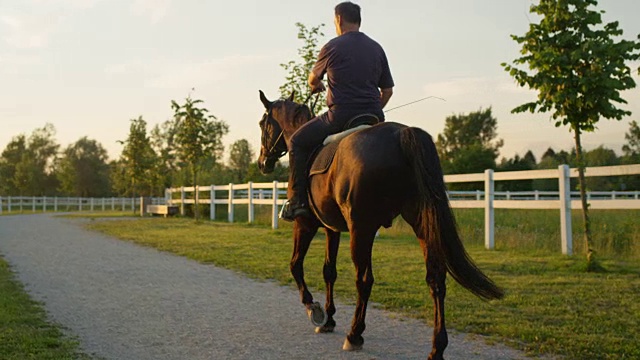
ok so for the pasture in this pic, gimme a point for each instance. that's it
(552, 305)
(24, 331)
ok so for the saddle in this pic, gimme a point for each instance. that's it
(323, 155)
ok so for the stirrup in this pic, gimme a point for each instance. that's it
(287, 213)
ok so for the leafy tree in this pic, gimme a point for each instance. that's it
(632, 148)
(528, 162)
(298, 71)
(579, 70)
(10, 158)
(631, 156)
(198, 136)
(467, 145)
(26, 165)
(83, 170)
(240, 159)
(163, 143)
(139, 159)
(601, 156)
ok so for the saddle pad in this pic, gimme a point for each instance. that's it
(322, 158)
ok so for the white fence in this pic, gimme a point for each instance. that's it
(563, 200)
(44, 204)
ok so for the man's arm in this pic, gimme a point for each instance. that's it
(385, 95)
(315, 83)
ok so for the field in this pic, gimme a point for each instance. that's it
(24, 331)
(552, 305)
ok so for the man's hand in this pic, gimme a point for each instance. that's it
(316, 84)
(318, 88)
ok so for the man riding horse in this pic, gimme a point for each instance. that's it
(359, 82)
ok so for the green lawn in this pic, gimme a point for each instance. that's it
(24, 331)
(552, 305)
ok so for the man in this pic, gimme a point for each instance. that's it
(359, 81)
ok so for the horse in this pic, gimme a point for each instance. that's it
(377, 174)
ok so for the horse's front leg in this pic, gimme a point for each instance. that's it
(303, 232)
(330, 275)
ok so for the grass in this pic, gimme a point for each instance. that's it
(552, 305)
(24, 331)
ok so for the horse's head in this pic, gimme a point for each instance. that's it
(280, 120)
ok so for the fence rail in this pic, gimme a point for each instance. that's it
(44, 203)
(563, 200)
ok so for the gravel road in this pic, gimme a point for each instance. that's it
(124, 301)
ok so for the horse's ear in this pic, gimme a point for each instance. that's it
(265, 102)
(293, 95)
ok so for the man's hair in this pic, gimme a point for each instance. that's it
(349, 12)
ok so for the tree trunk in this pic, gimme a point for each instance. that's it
(196, 213)
(591, 261)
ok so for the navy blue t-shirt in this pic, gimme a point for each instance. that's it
(356, 68)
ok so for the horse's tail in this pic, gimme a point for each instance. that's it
(436, 223)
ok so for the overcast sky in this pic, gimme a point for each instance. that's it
(89, 66)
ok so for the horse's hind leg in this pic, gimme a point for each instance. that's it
(436, 274)
(361, 246)
(330, 275)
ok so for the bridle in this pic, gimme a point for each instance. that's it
(279, 147)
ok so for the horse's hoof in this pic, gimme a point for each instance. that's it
(317, 314)
(348, 346)
(324, 329)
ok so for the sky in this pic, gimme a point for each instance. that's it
(89, 66)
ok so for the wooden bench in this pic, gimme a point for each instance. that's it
(165, 210)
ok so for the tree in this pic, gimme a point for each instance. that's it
(467, 144)
(9, 160)
(579, 70)
(601, 156)
(139, 159)
(528, 162)
(632, 148)
(298, 71)
(26, 165)
(631, 156)
(198, 136)
(240, 158)
(83, 170)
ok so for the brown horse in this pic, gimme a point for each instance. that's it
(377, 174)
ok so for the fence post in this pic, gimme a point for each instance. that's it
(196, 201)
(230, 217)
(103, 203)
(251, 212)
(44, 204)
(55, 204)
(113, 203)
(33, 204)
(123, 203)
(212, 208)
(274, 208)
(9, 204)
(0, 205)
(91, 202)
(565, 209)
(80, 204)
(182, 201)
(489, 220)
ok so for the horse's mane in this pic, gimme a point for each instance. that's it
(301, 112)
